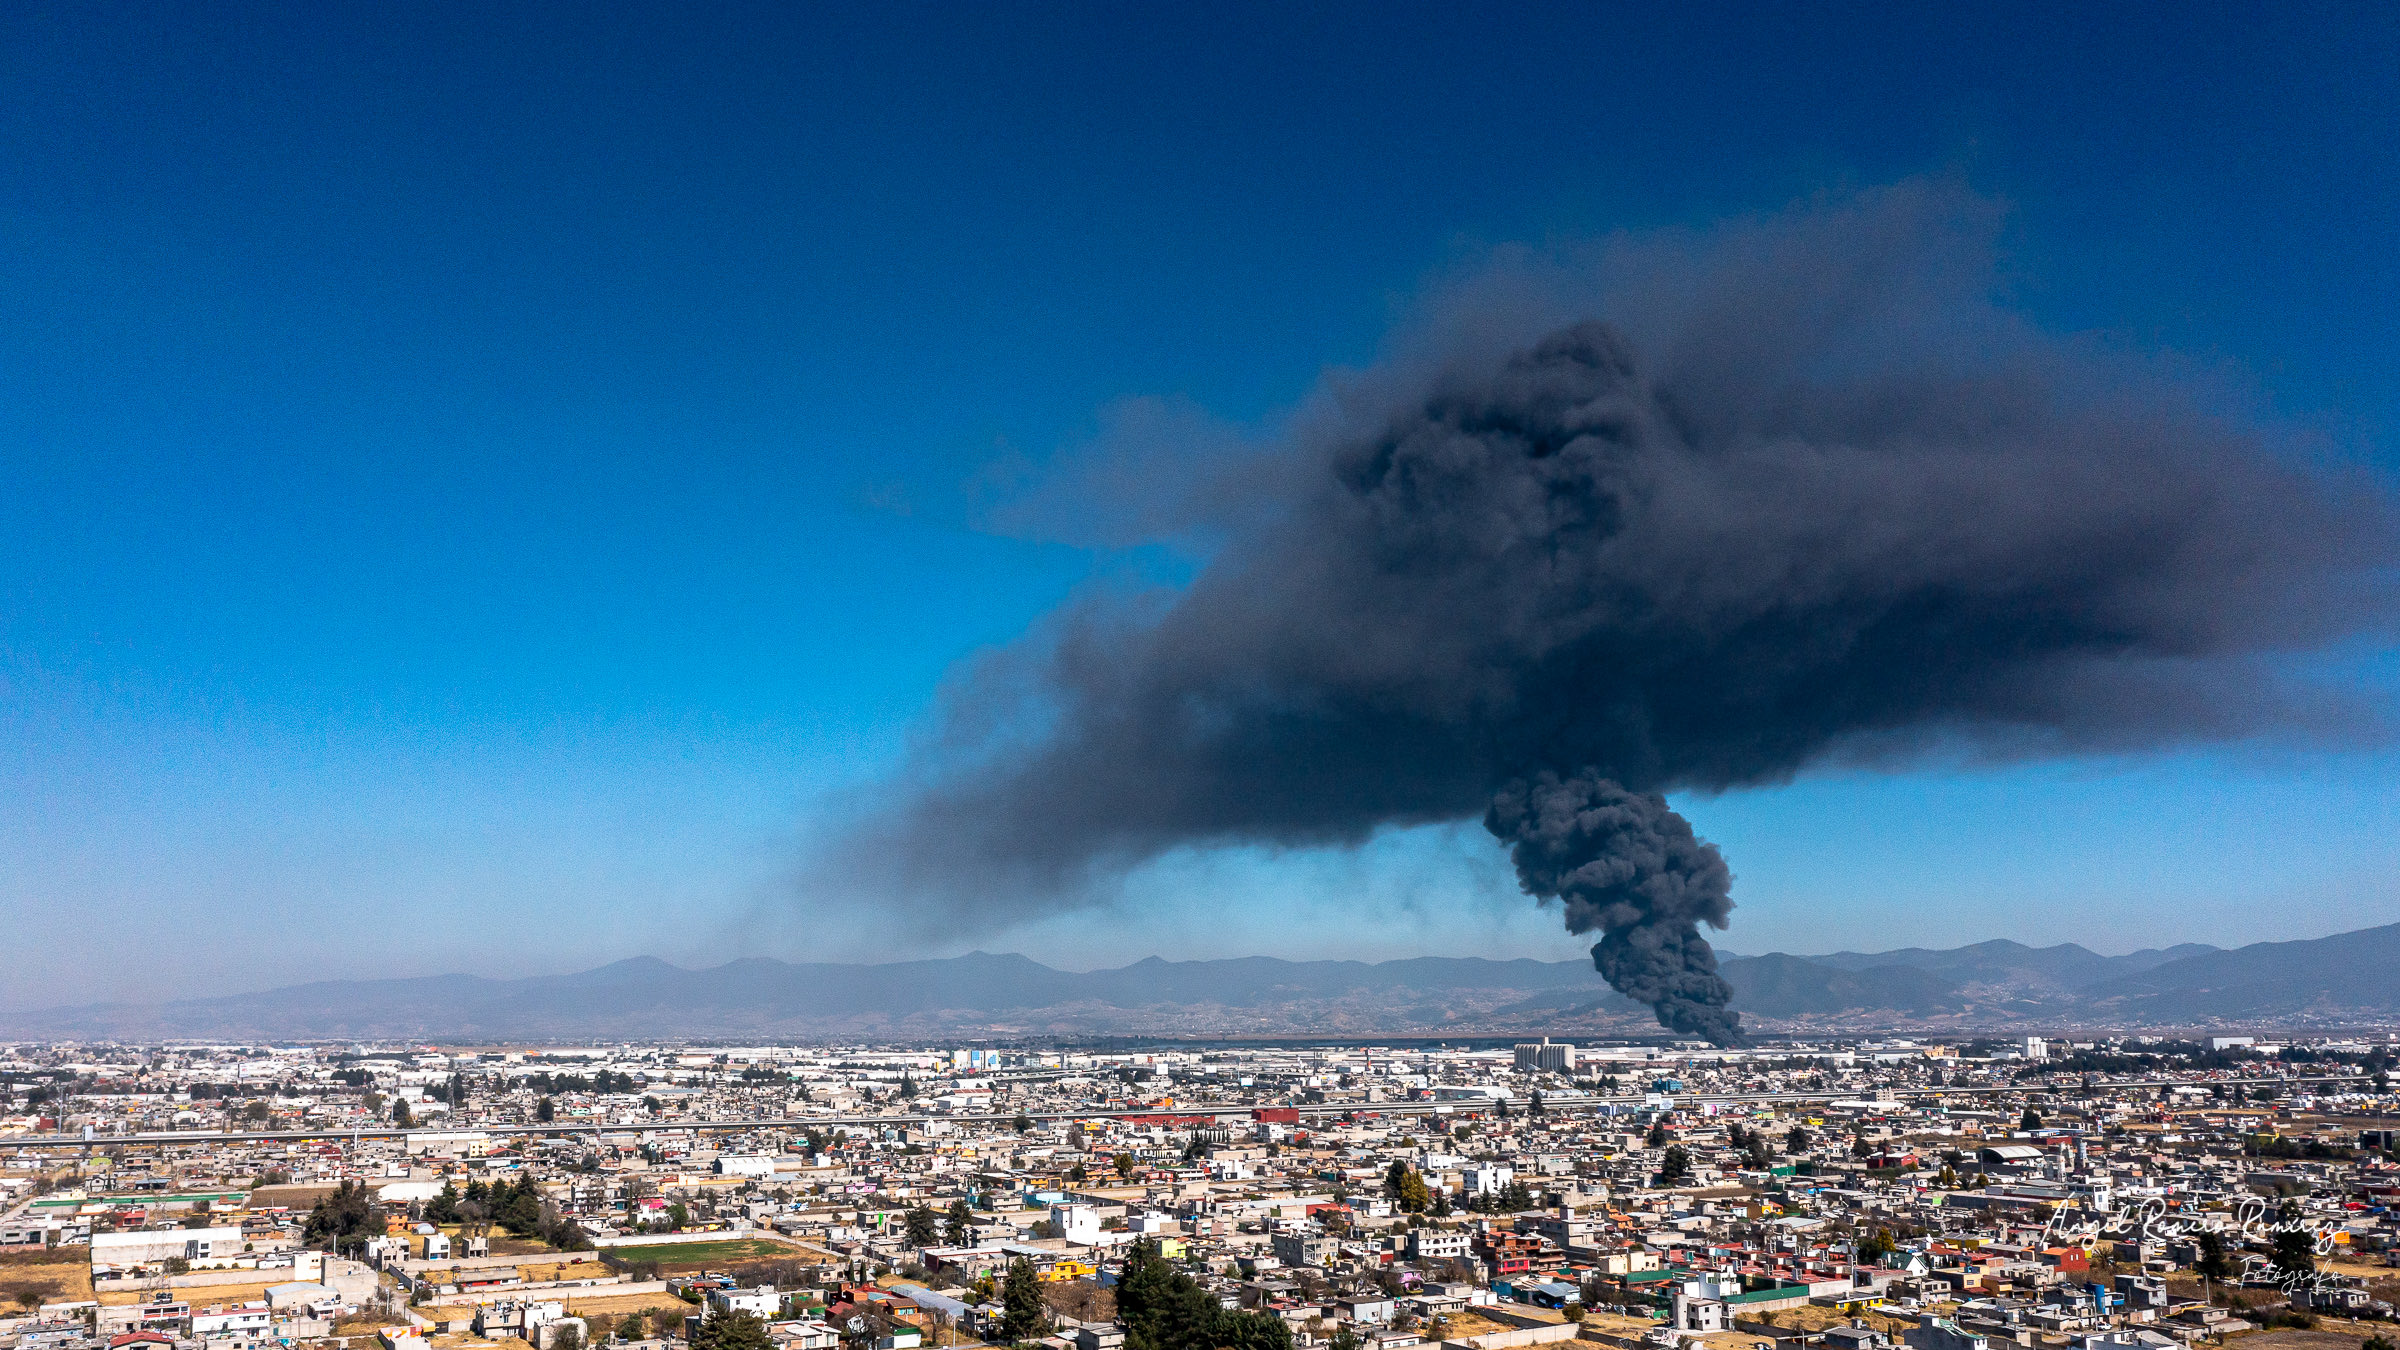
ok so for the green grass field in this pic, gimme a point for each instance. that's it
(718, 1253)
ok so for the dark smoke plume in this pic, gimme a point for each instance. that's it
(1795, 493)
(1627, 865)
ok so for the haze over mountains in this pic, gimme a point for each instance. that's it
(1995, 985)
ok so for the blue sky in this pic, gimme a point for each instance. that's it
(473, 480)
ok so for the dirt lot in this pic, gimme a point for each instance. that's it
(28, 1279)
(1615, 1324)
(1814, 1318)
(2328, 1335)
(533, 1272)
(1465, 1324)
(617, 1305)
(199, 1296)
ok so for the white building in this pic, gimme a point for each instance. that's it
(1076, 1223)
(763, 1302)
(1546, 1056)
(1490, 1179)
(805, 1334)
(173, 1244)
(1435, 1244)
(305, 1294)
(242, 1319)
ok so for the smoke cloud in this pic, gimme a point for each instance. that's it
(1691, 513)
(1627, 865)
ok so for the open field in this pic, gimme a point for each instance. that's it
(199, 1296)
(617, 1305)
(1465, 1324)
(503, 1244)
(42, 1277)
(2329, 1334)
(674, 1257)
(1814, 1318)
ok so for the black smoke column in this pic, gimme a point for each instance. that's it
(1626, 864)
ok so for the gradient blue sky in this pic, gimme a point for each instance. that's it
(473, 479)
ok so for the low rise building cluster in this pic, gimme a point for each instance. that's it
(1863, 1195)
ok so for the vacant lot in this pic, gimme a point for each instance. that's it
(618, 1305)
(2328, 1335)
(29, 1279)
(199, 1296)
(503, 1244)
(1813, 1318)
(678, 1258)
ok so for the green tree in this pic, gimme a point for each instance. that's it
(908, 1088)
(1875, 1246)
(443, 1208)
(678, 1216)
(1762, 1154)
(344, 1220)
(2294, 1250)
(1676, 1166)
(732, 1331)
(1657, 1138)
(924, 1227)
(1020, 1302)
(545, 1110)
(1796, 1140)
(2031, 1120)
(2213, 1264)
(1534, 1107)
(1021, 1123)
(1344, 1339)
(400, 1116)
(958, 1225)
(1124, 1165)
(1164, 1309)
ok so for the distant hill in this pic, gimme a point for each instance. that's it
(2014, 969)
(1984, 985)
(2323, 977)
(1777, 985)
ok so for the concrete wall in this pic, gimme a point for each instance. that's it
(566, 1290)
(1544, 1334)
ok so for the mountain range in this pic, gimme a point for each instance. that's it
(2346, 979)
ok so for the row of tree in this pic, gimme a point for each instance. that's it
(517, 1207)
